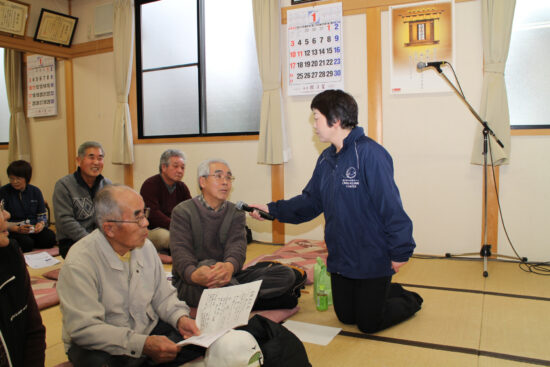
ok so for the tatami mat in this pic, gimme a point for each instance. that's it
(466, 320)
(516, 326)
(442, 273)
(353, 352)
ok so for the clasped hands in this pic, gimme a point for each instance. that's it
(213, 276)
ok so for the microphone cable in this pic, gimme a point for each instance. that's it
(456, 79)
(538, 268)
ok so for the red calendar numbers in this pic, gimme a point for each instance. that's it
(315, 49)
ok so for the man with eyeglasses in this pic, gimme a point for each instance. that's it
(73, 196)
(162, 192)
(118, 307)
(208, 245)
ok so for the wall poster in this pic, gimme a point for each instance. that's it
(315, 54)
(420, 33)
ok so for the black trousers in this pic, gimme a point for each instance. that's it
(274, 292)
(64, 246)
(81, 357)
(30, 241)
(372, 304)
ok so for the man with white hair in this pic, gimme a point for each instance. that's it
(161, 193)
(118, 307)
(208, 246)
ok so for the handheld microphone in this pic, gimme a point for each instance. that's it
(242, 206)
(436, 64)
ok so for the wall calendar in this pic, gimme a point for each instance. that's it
(41, 90)
(315, 49)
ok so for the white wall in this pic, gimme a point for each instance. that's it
(48, 135)
(429, 136)
(303, 141)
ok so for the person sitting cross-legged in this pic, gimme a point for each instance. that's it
(29, 222)
(118, 307)
(208, 246)
(161, 193)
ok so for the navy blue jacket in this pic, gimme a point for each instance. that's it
(26, 204)
(366, 226)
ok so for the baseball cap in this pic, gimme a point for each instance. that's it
(237, 348)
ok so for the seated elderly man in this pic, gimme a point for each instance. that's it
(161, 193)
(118, 307)
(208, 246)
(73, 196)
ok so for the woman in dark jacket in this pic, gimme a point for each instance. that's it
(367, 232)
(22, 334)
(28, 225)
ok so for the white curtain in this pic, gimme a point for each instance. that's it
(497, 18)
(273, 146)
(123, 49)
(19, 144)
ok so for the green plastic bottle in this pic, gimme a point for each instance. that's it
(322, 298)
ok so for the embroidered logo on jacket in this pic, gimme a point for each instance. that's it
(350, 181)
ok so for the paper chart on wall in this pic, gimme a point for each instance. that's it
(315, 54)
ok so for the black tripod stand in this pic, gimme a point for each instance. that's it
(485, 252)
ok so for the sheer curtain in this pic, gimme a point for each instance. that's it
(123, 48)
(19, 144)
(497, 18)
(273, 146)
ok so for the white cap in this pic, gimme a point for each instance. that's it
(237, 348)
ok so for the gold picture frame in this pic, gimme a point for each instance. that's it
(55, 28)
(14, 17)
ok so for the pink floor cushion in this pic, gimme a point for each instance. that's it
(278, 315)
(165, 259)
(45, 292)
(54, 251)
(299, 253)
(52, 274)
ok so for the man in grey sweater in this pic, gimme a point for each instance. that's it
(208, 245)
(73, 196)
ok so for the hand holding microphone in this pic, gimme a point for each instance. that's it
(256, 211)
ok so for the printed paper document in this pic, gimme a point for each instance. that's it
(222, 309)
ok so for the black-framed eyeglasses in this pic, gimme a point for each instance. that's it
(219, 177)
(140, 220)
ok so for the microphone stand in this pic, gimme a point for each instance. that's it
(485, 252)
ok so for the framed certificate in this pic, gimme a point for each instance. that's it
(55, 28)
(14, 16)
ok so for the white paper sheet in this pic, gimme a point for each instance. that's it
(222, 309)
(40, 260)
(312, 333)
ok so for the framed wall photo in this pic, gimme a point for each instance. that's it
(55, 28)
(14, 16)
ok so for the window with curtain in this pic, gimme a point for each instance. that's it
(4, 108)
(197, 69)
(527, 73)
